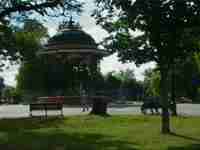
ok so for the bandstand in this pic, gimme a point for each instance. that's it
(71, 45)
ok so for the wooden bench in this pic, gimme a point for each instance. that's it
(46, 106)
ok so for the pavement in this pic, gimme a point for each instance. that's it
(20, 111)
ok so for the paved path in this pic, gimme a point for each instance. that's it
(15, 111)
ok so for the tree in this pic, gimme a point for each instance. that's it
(169, 31)
(11, 95)
(28, 41)
(129, 85)
(152, 82)
(42, 7)
(122, 84)
(7, 42)
(184, 80)
(2, 86)
(125, 75)
(18, 10)
(111, 84)
(186, 77)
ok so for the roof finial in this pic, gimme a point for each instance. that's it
(71, 22)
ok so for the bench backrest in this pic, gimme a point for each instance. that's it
(46, 106)
(56, 99)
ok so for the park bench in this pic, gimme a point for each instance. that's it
(44, 105)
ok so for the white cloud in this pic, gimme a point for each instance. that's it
(9, 75)
(111, 63)
(89, 26)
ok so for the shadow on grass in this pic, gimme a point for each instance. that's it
(188, 147)
(57, 139)
(185, 137)
(15, 125)
(25, 124)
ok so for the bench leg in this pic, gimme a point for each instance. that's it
(46, 113)
(30, 114)
(62, 113)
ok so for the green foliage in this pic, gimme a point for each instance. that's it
(152, 83)
(29, 39)
(123, 84)
(7, 43)
(31, 76)
(28, 42)
(125, 75)
(8, 92)
(169, 29)
(113, 82)
(11, 94)
(186, 78)
(187, 74)
(9, 8)
(16, 11)
(21, 42)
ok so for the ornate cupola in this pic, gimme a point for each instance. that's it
(72, 42)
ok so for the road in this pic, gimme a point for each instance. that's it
(20, 111)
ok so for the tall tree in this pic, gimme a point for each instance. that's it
(169, 30)
(152, 82)
(18, 10)
(129, 86)
(187, 77)
(112, 83)
(42, 7)
(28, 41)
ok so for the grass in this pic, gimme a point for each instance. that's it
(98, 133)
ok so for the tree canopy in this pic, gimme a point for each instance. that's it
(169, 30)
(29, 39)
(28, 42)
(16, 11)
(152, 82)
(42, 7)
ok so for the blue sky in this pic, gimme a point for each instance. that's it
(108, 64)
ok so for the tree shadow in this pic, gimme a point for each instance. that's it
(60, 140)
(30, 123)
(105, 115)
(15, 125)
(185, 137)
(188, 147)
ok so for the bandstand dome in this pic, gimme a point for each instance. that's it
(71, 39)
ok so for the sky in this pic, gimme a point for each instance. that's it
(87, 23)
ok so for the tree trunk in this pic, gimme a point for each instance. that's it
(173, 96)
(165, 125)
(99, 106)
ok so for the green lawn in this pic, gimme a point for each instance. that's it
(98, 133)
